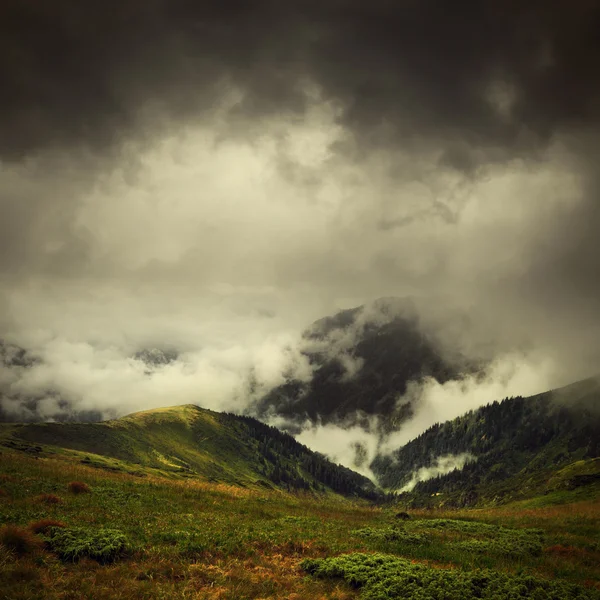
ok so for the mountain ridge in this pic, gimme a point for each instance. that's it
(192, 442)
(515, 449)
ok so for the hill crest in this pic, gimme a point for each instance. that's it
(188, 441)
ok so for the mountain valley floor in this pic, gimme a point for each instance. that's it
(70, 530)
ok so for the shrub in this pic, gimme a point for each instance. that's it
(49, 499)
(382, 577)
(78, 487)
(391, 534)
(103, 545)
(20, 541)
(490, 538)
(42, 526)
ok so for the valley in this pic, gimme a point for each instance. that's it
(191, 538)
(187, 503)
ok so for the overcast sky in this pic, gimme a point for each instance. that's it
(214, 176)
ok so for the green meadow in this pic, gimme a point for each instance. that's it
(73, 530)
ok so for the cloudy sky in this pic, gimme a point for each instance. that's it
(214, 176)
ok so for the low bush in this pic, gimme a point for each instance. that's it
(43, 525)
(506, 545)
(102, 545)
(468, 527)
(486, 538)
(391, 534)
(383, 577)
(18, 540)
(78, 487)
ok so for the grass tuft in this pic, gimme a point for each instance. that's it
(49, 499)
(78, 487)
(18, 540)
(43, 525)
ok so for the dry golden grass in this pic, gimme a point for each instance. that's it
(267, 577)
(19, 540)
(586, 510)
(48, 499)
(43, 525)
(78, 487)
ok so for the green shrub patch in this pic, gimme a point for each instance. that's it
(485, 538)
(466, 536)
(385, 577)
(391, 534)
(103, 545)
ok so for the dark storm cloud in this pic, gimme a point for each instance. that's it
(82, 73)
(482, 79)
(216, 175)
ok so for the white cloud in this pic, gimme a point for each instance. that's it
(441, 465)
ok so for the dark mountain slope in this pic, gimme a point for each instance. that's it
(363, 359)
(517, 446)
(188, 441)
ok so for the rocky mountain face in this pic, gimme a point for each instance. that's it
(363, 359)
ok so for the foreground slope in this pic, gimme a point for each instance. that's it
(516, 448)
(188, 441)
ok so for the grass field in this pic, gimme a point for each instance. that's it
(158, 538)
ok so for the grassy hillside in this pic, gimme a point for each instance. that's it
(519, 448)
(132, 537)
(190, 442)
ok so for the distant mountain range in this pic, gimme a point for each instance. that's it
(363, 360)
